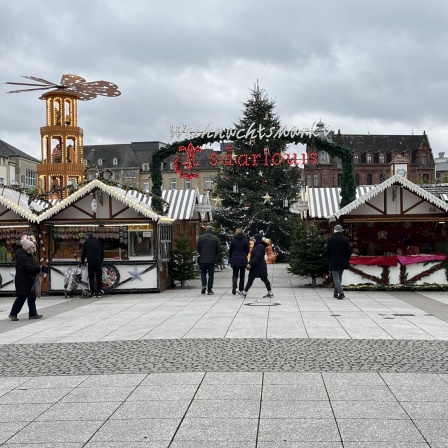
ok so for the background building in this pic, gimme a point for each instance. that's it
(372, 158)
(129, 163)
(17, 167)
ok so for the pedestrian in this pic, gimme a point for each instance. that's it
(93, 251)
(338, 252)
(27, 268)
(208, 248)
(257, 266)
(238, 251)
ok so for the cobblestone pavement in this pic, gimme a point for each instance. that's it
(224, 355)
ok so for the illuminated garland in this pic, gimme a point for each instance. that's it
(348, 185)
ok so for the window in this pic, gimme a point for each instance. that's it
(357, 179)
(308, 180)
(187, 184)
(369, 179)
(426, 178)
(356, 158)
(315, 180)
(382, 158)
(30, 178)
(85, 161)
(100, 162)
(2, 181)
(117, 176)
(208, 183)
(145, 167)
(382, 177)
(146, 185)
(115, 161)
(369, 158)
(424, 159)
(173, 184)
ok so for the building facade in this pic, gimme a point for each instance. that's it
(16, 167)
(372, 158)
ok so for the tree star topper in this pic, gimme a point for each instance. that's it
(190, 163)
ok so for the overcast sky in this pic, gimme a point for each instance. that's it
(361, 66)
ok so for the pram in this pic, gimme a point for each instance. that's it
(73, 282)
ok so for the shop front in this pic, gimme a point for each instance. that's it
(135, 239)
(398, 234)
(397, 231)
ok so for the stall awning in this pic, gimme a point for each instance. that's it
(324, 202)
(182, 203)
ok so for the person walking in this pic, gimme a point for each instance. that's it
(208, 248)
(257, 267)
(338, 252)
(27, 268)
(238, 251)
(93, 251)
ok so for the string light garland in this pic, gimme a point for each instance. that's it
(348, 184)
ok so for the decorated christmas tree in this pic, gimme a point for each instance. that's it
(307, 253)
(256, 183)
(182, 265)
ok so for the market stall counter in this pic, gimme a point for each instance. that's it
(129, 256)
(396, 269)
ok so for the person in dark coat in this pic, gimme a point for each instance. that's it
(208, 248)
(27, 268)
(238, 251)
(338, 252)
(93, 251)
(257, 266)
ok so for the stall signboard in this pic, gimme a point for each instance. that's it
(139, 227)
(298, 206)
(203, 208)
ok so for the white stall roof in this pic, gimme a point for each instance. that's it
(324, 202)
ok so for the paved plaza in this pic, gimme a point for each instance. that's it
(184, 370)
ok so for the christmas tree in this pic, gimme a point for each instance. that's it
(182, 265)
(307, 254)
(256, 183)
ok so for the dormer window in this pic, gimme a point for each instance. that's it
(356, 157)
(85, 161)
(382, 158)
(369, 159)
(100, 162)
(115, 161)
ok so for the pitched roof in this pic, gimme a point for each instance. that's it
(128, 155)
(10, 151)
(397, 179)
(118, 193)
(386, 143)
(323, 202)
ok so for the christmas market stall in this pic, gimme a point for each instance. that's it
(136, 240)
(189, 210)
(397, 231)
(18, 217)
